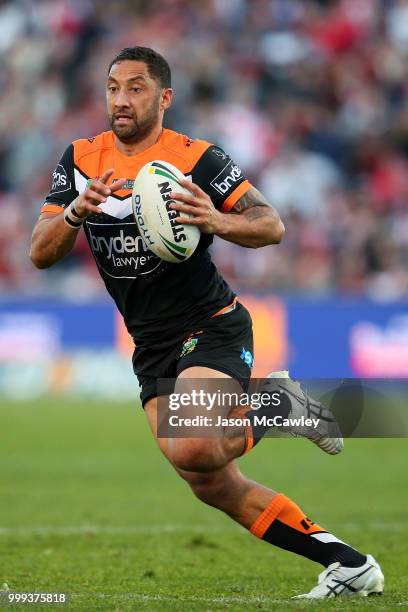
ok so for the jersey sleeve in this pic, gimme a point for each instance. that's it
(220, 177)
(63, 190)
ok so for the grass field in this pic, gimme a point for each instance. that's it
(88, 506)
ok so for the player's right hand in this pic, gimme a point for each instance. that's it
(96, 193)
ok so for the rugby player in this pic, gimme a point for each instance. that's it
(184, 319)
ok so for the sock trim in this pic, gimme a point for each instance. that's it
(266, 518)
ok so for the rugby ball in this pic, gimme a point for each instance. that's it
(161, 233)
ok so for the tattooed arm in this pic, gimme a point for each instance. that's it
(254, 222)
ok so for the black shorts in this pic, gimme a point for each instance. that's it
(223, 343)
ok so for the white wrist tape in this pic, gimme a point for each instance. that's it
(71, 217)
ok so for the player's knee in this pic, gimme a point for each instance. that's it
(197, 455)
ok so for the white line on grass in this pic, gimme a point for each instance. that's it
(222, 599)
(167, 528)
(125, 530)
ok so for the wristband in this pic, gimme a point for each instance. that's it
(71, 217)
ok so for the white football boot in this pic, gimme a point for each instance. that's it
(327, 434)
(337, 580)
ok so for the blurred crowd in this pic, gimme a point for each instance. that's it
(309, 97)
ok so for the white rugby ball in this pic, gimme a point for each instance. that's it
(161, 233)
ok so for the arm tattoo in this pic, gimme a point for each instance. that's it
(257, 212)
(253, 205)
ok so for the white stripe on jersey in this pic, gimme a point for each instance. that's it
(113, 207)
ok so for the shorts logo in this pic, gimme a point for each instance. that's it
(60, 180)
(227, 178)
(190, 344)
(247, 357)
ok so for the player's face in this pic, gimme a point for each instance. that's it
(135, 101)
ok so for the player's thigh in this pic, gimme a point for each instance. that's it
(215, 392)
(150, 409)
(206, 485)
(167, 445)
(187, 450)
(207, 394)
(185, 380)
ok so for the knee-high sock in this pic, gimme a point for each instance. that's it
(284, 524)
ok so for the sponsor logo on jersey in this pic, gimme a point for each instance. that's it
(128, 185)
(227, 178)
(219, 152)
(247, 357)
(114, 245)
(60, 180)
(120, 250)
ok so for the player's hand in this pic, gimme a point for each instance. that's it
(96, 193)
(199, 205)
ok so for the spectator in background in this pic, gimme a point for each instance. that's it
(310, 97)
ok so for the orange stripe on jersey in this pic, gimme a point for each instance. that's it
(93, 156)
(235, 196)
(264, 520)
(225, 309)
(51, 208)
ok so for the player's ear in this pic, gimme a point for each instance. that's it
(166, 98)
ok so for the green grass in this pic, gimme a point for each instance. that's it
(90, 507)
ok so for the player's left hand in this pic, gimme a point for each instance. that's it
(199, 205)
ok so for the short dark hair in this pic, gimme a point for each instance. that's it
(156, 64)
